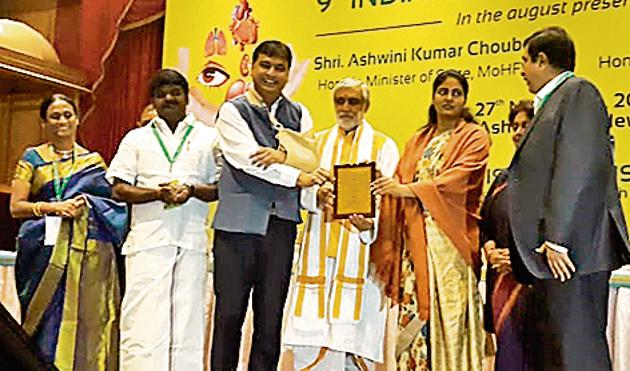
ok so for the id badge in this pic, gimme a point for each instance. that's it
(53, 226)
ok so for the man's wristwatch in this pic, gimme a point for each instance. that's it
(191, 188)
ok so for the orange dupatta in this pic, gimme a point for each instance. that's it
(452, 198)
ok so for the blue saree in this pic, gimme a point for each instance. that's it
(69, 292)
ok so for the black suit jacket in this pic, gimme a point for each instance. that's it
(562, 185)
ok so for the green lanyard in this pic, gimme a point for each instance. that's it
(60, 184)
(178, 151)
(567, 75)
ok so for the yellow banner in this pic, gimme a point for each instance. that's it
(398, 47)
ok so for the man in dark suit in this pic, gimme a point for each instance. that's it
(565, 213)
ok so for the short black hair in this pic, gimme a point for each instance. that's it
(557, 46)
(273, 48)
(43, 107)
(167, 76)
(525, 105)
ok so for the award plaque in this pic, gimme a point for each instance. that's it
(352, 190)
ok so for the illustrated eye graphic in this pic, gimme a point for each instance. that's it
(213, 75)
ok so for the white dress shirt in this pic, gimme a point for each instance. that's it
(140, 161)
(237, 142)
(549, 87)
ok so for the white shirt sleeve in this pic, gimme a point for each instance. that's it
(124, 165)
(388, 158)
(218, 159)
(237, 144)
(308, 199)
(308, 196)
(306, 122)
(553, 246)
(386, 162)
(212, 172)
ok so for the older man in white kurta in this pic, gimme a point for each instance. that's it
(337, 319)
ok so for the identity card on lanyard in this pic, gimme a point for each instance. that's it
(53, 223)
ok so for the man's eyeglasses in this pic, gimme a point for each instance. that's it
(340, 101)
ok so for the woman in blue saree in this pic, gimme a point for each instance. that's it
(66, 268)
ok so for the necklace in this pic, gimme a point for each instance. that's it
(61, 183)
(63, 152)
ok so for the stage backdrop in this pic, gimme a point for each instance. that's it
(398, 47)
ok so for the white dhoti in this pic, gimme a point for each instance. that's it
(323, 359)
(162, 319)
(320, 344)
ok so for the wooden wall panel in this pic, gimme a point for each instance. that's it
(25, 128)
(5, 124)
(20, 128)
(39, 14)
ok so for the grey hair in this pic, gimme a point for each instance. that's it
(350, 82)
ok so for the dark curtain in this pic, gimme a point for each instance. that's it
(123, 93)
(118, 43)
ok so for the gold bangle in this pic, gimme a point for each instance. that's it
(37, 209)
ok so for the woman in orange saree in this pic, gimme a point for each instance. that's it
(427, 251)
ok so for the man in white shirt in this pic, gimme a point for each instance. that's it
(165, 170)
(255, 222)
